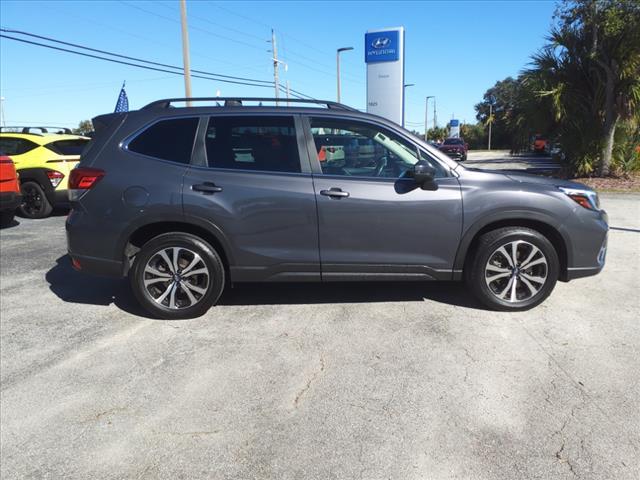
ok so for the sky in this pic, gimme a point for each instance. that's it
(454, 51)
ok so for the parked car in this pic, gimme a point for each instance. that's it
(540, 144)
(455, 148)
(161, 196)
(43, 157)
(10, 197)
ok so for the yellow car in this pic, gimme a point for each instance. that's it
(44, 157)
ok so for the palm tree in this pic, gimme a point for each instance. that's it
(590, 69)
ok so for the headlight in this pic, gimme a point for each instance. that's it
(585, 198)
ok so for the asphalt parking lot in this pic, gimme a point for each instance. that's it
(371, 381)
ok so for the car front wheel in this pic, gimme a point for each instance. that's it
(514, 268)
(177, 275)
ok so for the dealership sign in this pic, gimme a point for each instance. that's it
(384, 56)
(382, 46)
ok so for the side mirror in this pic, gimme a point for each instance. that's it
(423, 173)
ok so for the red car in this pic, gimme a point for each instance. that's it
(455, 148)
(10, 197)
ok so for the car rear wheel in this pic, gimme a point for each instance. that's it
(514, 268)
(177, 275)
(34, 201)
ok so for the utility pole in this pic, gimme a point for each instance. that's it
(435, 116)
(4, 124)
(274, 51)
(426, 117)
(338, 52)
(185, 50)
(490, 122)
(288, 92)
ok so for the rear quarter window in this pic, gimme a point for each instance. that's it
(68, 147)
(16, 146)
(170, 140)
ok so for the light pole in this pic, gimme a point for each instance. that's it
(403, 99)
(426, 117)
(338, 51)
(185, 50)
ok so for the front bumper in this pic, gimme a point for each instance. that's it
(10, 200)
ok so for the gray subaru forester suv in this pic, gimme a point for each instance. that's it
(187, 200)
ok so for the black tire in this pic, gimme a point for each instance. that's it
(476, 272)
(34, 201)
(6, 218)
(191, 244)
(463, 159)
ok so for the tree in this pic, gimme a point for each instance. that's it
(590, 69)
(517, 113)
(84, 127)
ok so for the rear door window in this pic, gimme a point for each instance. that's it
(259, 143)
(170, 139)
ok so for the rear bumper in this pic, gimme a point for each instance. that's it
(86, 246)
(59, 198)
(10, 200)
(96, 266)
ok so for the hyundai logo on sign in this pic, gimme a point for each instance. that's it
(381, 47)
(380, 42)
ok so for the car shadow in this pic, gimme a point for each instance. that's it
(450, 293)
(77, 287)
(14, 223)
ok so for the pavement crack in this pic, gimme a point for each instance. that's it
(310, 380)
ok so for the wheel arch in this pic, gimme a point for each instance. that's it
(204, 230)
(38, 175)
(543, 225)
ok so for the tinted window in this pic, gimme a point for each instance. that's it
(454, 141)
(345, 147)
(252, 143)
(68, 147)
(167, 139)
(15, 146)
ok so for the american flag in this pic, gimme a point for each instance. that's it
(123, 101)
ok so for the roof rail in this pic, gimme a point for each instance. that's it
(237, 101)
(21, 129)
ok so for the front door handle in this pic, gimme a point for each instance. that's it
(334, 193)
(207, 188)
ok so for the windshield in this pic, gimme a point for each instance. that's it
(454, 141)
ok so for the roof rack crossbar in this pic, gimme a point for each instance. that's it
(166, 102)
(43, 129)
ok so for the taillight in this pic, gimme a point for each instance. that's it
(82, 179)
(4, 159)
(55, 177)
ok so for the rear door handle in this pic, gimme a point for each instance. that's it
(207, 188)
(334, 193)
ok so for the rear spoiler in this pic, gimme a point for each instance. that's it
(102, 122)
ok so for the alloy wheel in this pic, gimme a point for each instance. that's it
(176, 278)
(516, 271)
(32, 201)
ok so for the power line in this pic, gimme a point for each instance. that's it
(129, 63)
(208, 32)
(105, 52)
(156, 65)
(206, 20)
